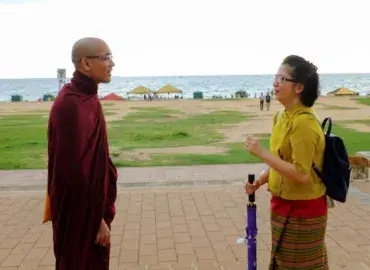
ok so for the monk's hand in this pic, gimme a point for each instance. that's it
(254, 147)
(103, 236)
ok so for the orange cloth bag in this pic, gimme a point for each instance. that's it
(47, 209)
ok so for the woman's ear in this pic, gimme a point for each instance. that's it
(299, 88)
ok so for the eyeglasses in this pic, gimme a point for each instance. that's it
(281, 79)
(107, 57)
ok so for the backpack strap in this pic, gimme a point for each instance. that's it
(330, 124)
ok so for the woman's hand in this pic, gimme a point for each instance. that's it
(284, 168)
(251, 188)
(254, 147)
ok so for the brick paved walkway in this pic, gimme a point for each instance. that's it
(192, 227)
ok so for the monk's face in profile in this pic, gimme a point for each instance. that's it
(99, 65)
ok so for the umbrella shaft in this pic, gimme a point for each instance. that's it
(252, 254)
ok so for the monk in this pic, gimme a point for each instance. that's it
(81, 176)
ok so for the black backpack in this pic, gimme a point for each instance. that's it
(336, 167)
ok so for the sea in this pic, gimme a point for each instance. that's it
(221, 86)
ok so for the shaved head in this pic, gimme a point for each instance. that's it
(88, 46)
(93, 57)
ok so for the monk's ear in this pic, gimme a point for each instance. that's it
(85, 64)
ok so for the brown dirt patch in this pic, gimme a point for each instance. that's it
(12, 108)
(198, 149)
(114, 115)
(358, 126)
(143, 154)
(239, 132)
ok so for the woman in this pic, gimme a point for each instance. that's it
(298, 202)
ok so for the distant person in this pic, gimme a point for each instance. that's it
(81, 176)
(299, 208)
(268, 100)
(262, 100)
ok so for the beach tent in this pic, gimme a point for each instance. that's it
(342, 92)
(48, 97)
(169, 89)
(16, 98)
(140, 90)
(241, 94)
(112, 96)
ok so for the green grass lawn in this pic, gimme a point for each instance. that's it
(23, 138)
(23, 141)
(164, 128)
(363, 100)
(359, 121)
(235, 154)
(336, 107)
(354, 140)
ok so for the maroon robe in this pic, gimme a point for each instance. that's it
(81, 176)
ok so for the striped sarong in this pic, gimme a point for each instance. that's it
(298, 242)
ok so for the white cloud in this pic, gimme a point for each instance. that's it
(166, 37)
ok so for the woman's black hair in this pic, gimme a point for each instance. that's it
(305, 73)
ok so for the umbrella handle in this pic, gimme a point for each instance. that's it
(251, 197)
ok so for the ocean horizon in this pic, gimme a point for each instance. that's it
(32, 89)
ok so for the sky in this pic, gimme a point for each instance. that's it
(185, 37)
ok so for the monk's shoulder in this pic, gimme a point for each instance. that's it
(65, 106)
(74, 104)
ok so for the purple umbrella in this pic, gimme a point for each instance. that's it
(251, 228)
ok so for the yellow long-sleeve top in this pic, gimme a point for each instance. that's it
(297, 138)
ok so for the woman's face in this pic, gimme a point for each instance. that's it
(286, 90)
